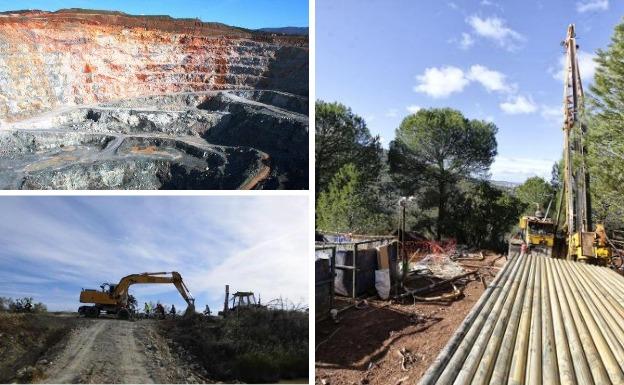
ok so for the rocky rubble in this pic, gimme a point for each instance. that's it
(207, 140)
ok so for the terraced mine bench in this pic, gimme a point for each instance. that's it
(206, 140)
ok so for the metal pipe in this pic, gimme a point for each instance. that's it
(600, 320)
(453, 369)
(518, 360)
(489, 330)
(354, 272)
(496, 347)
(534, 364)
(548, 321)
(432, 374)
(549, 355)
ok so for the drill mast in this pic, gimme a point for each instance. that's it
(576, 177)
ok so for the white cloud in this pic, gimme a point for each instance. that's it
(552, 113)
(444, 81)
(487, 3)
(586, 64)
(490, 79)
(257, 244)
(494, 28)
(519, 105)
(592, 5)
(466, 41)
(412, 109)
(392, 113)
(519, 169)
(452, 5)
(441, 82)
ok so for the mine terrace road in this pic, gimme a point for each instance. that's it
(116, 351)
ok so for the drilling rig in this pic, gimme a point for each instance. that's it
(583, 244)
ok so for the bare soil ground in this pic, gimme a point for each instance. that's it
(25, 338)
(364, 347)
(115, 351)
(42, 348)
(256, 346)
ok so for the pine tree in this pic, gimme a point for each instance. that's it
(606, 133)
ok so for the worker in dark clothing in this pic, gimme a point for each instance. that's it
(160, 311)
(173, 310)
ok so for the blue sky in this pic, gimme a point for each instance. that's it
(491, 59)
(240, 13)
(51, 247)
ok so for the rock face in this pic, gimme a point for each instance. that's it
(74, 57)
(112, 101)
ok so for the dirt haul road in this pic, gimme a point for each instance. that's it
(115, 351)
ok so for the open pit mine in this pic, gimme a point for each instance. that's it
(105, 100)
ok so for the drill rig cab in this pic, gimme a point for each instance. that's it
(113, 298)
(538, 233)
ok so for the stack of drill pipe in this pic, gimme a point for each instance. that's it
(541, 321)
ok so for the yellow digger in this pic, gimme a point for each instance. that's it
(113, 298)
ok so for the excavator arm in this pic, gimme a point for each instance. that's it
(121, 290)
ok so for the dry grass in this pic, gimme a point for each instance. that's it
(258, 346)
(24, 338)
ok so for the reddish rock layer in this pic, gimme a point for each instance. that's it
(49, 60)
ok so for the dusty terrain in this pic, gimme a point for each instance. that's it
(98, 351)
(254, 346)
(364, 347)
(114, 351)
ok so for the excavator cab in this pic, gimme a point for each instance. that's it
(113, 298)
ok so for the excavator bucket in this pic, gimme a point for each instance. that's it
(190, 311)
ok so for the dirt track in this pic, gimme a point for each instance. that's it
(114, 351)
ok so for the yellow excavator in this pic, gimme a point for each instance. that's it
(113, 298)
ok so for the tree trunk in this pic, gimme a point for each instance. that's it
(441, 208)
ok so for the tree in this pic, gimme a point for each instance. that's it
(535, 193)
(346, 205)
(482, 214)
(40, 307)
(435, 148)
(341, 138)
(4, 303)
(605, 139)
